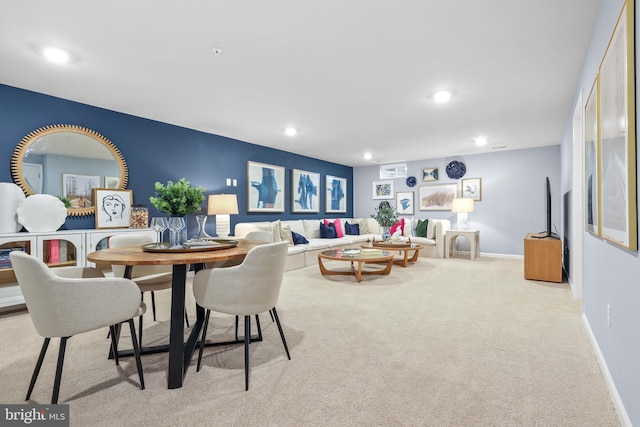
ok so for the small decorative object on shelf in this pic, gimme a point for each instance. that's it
(456, 169)
(139, 217)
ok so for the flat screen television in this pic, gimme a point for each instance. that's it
(548, 231)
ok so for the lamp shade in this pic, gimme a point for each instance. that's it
(222, 204)
(462, 205)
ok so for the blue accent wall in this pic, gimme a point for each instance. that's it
(156, 151)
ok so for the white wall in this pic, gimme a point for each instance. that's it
(513, 194)
(610, 274)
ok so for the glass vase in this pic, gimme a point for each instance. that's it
(202, 234)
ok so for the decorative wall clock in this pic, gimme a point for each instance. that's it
(411, 181)
(456, 169)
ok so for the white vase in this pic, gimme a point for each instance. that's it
(41, 212)
(11, 196)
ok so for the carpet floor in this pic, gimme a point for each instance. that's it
(443, 342)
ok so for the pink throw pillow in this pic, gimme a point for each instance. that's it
(398, 225)
(338, 226)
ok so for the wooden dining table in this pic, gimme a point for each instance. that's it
(180, 352)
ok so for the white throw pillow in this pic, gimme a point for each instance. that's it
(431, 229)
(275, 230)
(285, 234)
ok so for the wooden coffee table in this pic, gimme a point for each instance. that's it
(359, 257)
(404, 248)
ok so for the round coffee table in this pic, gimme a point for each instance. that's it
(400, 247)
(356, 256)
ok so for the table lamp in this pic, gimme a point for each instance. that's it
(222, 205)
(462, 207)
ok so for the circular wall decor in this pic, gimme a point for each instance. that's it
(411, 181)
(456, 169)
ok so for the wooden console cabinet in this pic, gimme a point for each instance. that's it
(542, 258)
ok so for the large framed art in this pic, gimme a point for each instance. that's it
(437, 197)
(617, 126)
(305, 194)
(335, 194)
(591, 161)
(265, 187)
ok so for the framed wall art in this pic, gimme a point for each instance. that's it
(404, 202)
(437, 197)
(79, 189)
(335, 194)
(472, 188)
(591, 162)
(111, 182)
(265, 187)
(305, 191)
(429, 174)
(383, 189)
(113, 207)
(617, 126)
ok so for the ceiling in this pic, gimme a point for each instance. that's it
(351, 75)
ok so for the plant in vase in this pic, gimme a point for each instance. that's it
(178, 199)
(385, 216)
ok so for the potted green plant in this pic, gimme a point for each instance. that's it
(177, 199)
(385, 216)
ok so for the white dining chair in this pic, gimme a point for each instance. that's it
(72, 301)
(247, 289)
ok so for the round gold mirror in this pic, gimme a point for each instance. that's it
(68, 161)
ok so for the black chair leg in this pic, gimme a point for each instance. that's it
(236, 328)
(271, 314)
(36, 370)
(153, 304)
(114, 343)
(203, 339)
(136, 352)
(140, 330)
(259, 329)
(284, 341)
(186, 318)
(56, 383)
(247, 340)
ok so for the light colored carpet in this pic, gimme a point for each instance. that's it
(440, 343)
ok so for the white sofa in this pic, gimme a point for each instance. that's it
(307, 254)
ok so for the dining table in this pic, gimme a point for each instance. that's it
(180, 351)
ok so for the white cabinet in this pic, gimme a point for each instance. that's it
(58, 248)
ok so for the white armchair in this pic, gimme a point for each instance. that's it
(74, 301)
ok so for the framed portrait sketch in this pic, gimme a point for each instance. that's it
(305, 191)
(404, 202)
(617, 126)
(265, 187)
(113, 207)
(383, 189)
(437, 197)
(430, 174)
(79, 189)
(591, 198)
(336, 194)
(472, 188)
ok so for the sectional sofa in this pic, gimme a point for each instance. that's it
(306, 254)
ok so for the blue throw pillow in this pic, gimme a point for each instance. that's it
(352, 229)
(298, 239)
(328, 231)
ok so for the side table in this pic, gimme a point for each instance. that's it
(450, 242)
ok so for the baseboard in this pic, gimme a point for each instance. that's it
(496, 255)
(623, 417)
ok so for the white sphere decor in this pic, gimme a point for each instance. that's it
(11, 196)
(41, 212)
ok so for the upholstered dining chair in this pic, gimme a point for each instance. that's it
(263, 236)
(149, 278)
(72, 301)
(247, 289)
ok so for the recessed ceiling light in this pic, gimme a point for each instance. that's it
(291, 131)
(442, 96)
(56, 55)
(217, 51)
(481, 140)
(367, 156)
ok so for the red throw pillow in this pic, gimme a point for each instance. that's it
(396, 226)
